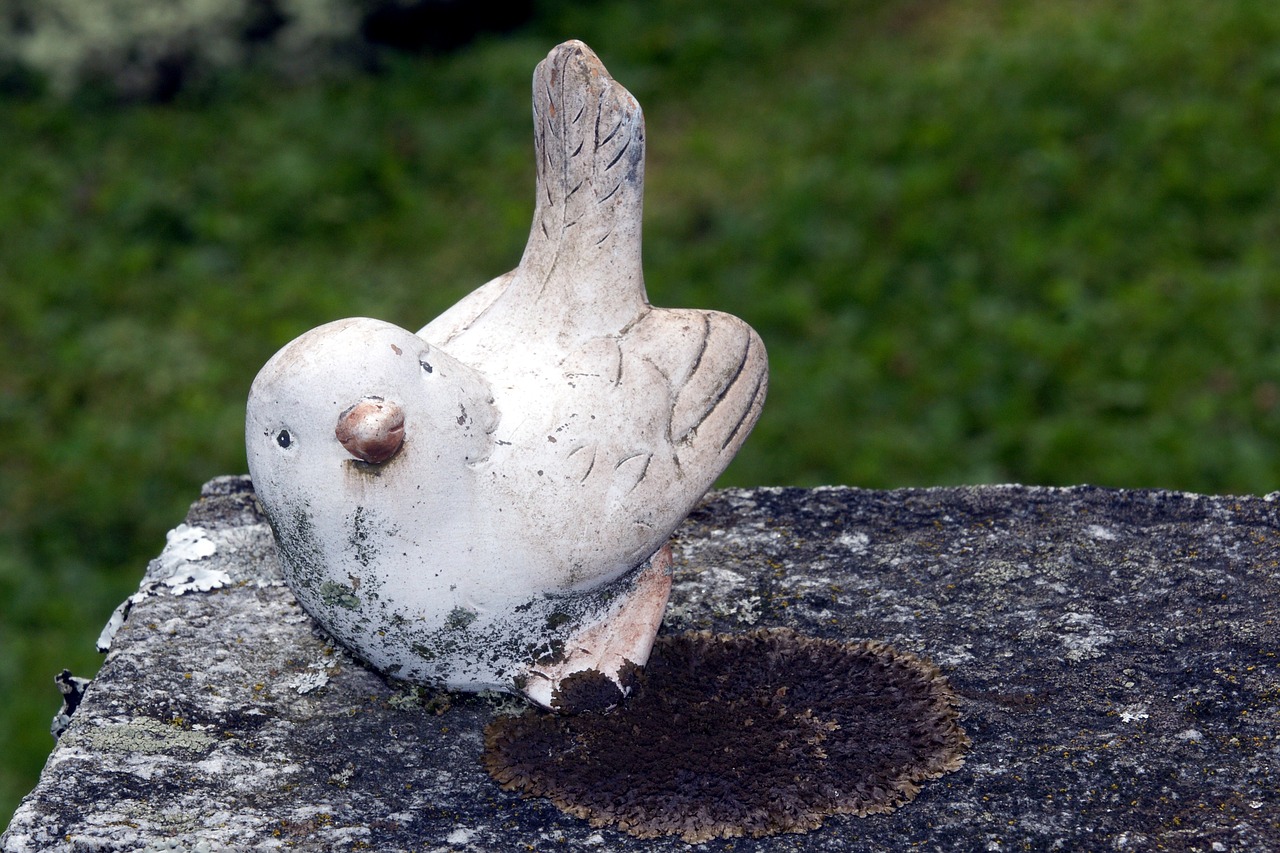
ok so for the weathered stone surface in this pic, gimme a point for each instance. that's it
(1115, 651)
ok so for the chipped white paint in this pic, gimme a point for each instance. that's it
(477, 504)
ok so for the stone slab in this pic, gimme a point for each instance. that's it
(1115, 653)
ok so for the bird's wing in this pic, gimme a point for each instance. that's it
(688, 386)
(643, 425)
(717, 370)
(580, 275)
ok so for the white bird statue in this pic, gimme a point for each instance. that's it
(485, 504)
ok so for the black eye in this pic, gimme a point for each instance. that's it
(283, 438)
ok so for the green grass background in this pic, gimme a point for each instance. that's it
(983, 241)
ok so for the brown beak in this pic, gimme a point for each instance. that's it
(372, 430)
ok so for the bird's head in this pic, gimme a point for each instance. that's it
(364, 398)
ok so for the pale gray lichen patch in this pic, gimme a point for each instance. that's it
(179, 846)
(721, 590)
(1083, 636)
(855, 541)
(408, 700)
(197, 579)
(461, 617)
(176, 570)
(316, 677)
(146, 736)
(339, 595)
(999, 573)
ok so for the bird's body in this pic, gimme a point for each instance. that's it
(492, 511)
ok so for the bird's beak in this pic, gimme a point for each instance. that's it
(372, 430)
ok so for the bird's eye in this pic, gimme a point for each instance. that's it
(283, 438)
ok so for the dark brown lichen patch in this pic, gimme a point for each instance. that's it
(588, 690)
(741, 735)
(592, 690)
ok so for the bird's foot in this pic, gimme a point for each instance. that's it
(603, 656)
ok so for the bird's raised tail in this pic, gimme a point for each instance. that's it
(580, 273)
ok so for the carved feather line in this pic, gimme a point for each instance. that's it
(702, 348)
(746, 412)
(616, 187)
(626, 459)
(618, 156)
(599, 113)
(648, 459)
(613, 132)
(590, 465)
(724, 391)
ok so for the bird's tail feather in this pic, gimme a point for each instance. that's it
(584, 246)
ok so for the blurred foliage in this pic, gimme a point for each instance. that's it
(141, 48)
(154, 49)
(1025, 241)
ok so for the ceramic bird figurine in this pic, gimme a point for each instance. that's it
(484, 504)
